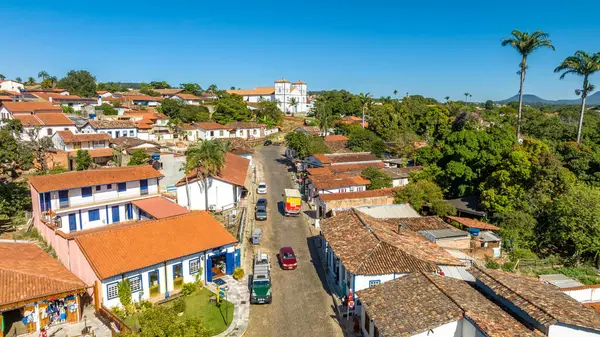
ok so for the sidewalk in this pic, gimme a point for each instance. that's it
(238, 295)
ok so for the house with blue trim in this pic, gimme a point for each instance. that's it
(157, 256)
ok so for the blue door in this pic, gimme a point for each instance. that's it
(45, 202)
(229, 263)
(238, 258)
(144, 186)
(115, 214)
(209, 269)
(72, 222)
(129, 211)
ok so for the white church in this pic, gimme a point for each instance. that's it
(291, 97)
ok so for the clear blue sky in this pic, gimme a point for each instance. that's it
(434, 48)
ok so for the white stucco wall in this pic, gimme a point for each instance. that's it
(220, 194)
(563, 330)
(362, 281)
(585, 295)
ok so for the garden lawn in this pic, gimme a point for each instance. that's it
(198, 305)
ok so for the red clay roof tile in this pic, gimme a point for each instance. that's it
(160, 207)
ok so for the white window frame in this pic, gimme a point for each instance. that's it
(137, 286)
(194, 266)
(373, 283)
(112, 290)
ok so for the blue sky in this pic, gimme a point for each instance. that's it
(434, 48)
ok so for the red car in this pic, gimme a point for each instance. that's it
(287, 258)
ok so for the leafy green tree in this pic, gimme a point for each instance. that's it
(18, 79)
(341, 102)
(378, 179)
(30, 81)
(231, 108)
(294, 104)
(489, 104)
(161, 320)
(39, 146)
(205, 158)
(212, 89)
(421, 193)
(124, 292)
(2, 77)
(79, 82)
(14, 198)
(83, 161)
(171, 107)
(147, 89)
(194, 113)
(107, 109)
(324, 116)
(525, 44)
(582, 64)
(385, 121)
(517, 229)
(305, 145)
(160, 85)
(191, 88)
(364, 140)
(366, 100)
(139, 157)
(68, 110)
(269, 110)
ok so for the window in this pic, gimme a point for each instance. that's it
(212, 133)
(86, 192)
(373, 283)
(131, 133)
(109, 186)
(254, 131)
(98, 144)
(135, 283)
(49, 131)
(112, 290)
(122, 187)
(94, 215)
(221, 133)
(194, 266)
(98, 188)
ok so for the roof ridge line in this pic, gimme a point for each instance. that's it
(39, 276)
(428, 277)
(514, 292)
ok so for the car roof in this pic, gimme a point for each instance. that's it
(261, 200)
(262, 183)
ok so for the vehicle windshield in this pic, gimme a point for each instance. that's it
(261, 202)
(262, 185)
(288, 255)
(261, 283)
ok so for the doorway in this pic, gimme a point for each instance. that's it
(154, 281)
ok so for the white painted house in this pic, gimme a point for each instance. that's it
(37, 115)
(114, 128)
(188, 99)
(424, 304)
(283, 92)
(76, 102)
(10, 85)
(212, 130)
(198, 248)
(223, 191)
(80, 200)
(246, 130)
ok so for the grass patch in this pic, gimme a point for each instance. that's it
(198, 305)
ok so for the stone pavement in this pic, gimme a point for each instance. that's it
(239, 295)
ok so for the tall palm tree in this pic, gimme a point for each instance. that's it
(212, 89)
(53, 81)
(324, 117)
(582, 64)
(395, 93)
(18, 79)
(205, 158)
(2, 77)
(470, 97)
(43, 75)
(466, 96)
(365, 102)
(293, 104)
(30, 81)
(525, 44)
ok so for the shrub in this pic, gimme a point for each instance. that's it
(238, 273)
(179, 305)
(143, 305)
(189, 288)
(120, 312)
(124, 291)
(492, 264)
(522, 253)
(509, 266)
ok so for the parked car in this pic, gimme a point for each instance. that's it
(268, 142)
(262, 188)
(287, 258)
(261, 209)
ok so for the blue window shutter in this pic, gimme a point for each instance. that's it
(208, 269)
(238, 258)
(229, 263)
(94, 214)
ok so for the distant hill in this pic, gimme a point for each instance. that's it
(593, 99)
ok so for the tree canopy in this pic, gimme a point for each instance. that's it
(79, 82)
(231, 108)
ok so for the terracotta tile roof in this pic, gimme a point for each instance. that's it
(146, 243)
(15, 107)
(145, 124)
(28, 273)
(299, 82)
(316, 171)
(354, 167)
(310, 129)
(244, 125)
(423, 223)
(260, 91)
(544, 302)
(336, 138)
(5, 98)
(282, 80)
(100, 92)
(326, 182)
(143, 98)
(400, 172)
(58, 97)
(419, 302)
(342, 158)
(234, 172)
(189, 127)
(75, 179)
(69, 137)
(110, 124)
(189, 97)
(28, 120)
(51, 119)
(160, 207)
(170, 91)
(384, 192)
(95, 153)
(593, 305)
(472, 223)
(377, 249)
(211, 126)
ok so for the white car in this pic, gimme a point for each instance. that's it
(262, 188)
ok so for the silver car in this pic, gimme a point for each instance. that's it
(262, 188)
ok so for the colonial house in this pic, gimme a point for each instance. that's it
(336, 143)
(74, 101)
(400, 175)
(166, 93)
(141, 100)
(334, 159)
(37, 115)
(485, 241)
(154, 126)
(32, 284)
(423, 304)
(334, 183)
(362, 251)
(246, 130)
(114, 128)
(188, 99)
(10, 85)
(211, 130)
(539, 305)
(327, 203)
(35, 91)
(80, 200)
(176, 250)
(104, 93)
(96, 144)
(348, 120)
(223, 190)
(156, 208)
(283, 92)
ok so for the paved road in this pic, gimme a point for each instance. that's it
(301, 305)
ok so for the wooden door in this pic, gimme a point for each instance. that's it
(30, 327)
(72, 315)
(44, 318)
